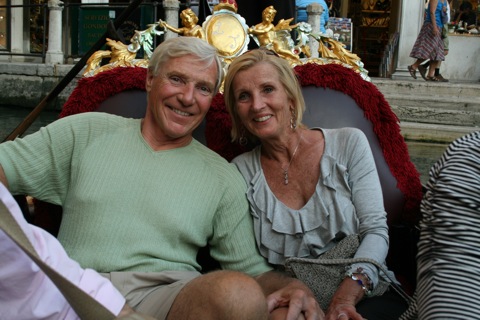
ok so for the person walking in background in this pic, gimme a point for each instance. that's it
(423, 68)
(302, 13)
(429, 43)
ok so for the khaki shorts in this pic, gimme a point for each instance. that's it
(446, 42)
(151, 293)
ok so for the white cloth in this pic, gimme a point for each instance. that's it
(26, 292)
(448, 12)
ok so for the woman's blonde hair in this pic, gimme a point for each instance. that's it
(286, 76)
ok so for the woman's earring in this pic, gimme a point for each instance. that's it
(293, 120)
(242, 140)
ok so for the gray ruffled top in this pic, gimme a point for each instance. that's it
(347, 200)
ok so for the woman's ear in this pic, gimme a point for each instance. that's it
(292, 107)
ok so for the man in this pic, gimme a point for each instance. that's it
(141, 196)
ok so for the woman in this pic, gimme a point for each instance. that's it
(307, 187)
(429, 43)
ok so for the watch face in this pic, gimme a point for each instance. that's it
(227, 32)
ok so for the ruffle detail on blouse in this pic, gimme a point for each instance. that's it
(309, 231)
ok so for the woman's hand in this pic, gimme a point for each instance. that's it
(342, 312)
(342, 306)
(291, 295)
(296, 301)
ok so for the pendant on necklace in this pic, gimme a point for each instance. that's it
(285, 177)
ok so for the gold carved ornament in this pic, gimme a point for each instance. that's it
(228, 33)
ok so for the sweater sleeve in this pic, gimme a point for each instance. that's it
(367, 198)
(40, 164)
(234, 242)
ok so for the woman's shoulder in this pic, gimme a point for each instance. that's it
(342, 133)
(349, 138)
(248, 163)
(246, 157)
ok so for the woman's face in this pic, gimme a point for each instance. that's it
(261, 101)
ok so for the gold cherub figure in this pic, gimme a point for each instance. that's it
(189, 22)
(266, 34)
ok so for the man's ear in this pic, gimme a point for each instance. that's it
(148, 81)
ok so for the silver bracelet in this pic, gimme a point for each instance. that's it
(365, 286)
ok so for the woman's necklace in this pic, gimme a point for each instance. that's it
(285, 170)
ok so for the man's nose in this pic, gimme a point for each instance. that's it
(187, 97)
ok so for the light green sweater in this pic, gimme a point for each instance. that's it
(129, 208)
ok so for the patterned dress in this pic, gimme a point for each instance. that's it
(430, 46)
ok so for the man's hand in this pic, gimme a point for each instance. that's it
(126, 311)
(285, 292)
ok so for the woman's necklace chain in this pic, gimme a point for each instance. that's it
(285, 171)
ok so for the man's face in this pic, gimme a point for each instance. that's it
(178, 98)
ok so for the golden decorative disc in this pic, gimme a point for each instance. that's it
(227, 31)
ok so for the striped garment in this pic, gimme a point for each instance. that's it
(448, 259)
(428, 46)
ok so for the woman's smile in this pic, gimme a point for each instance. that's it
(262, 119)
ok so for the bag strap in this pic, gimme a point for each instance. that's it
(393, 282)
(84, 305)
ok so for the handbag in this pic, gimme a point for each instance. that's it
(444, 14)
(444, 17)
(86, 307)
(324, 274)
